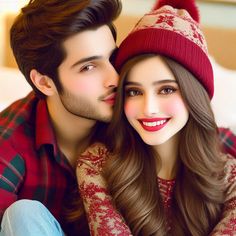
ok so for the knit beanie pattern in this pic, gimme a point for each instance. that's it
(170, 30)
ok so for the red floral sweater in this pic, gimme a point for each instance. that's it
(104, 219)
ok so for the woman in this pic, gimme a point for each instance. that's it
(161, 171)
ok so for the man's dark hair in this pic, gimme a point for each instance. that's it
(43, 25)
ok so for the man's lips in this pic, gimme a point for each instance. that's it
(153, 124)
(110, 99)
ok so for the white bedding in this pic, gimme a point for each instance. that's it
(14, 86)
(224, 100)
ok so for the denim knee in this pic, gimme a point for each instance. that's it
(25, 208)
(29, 217)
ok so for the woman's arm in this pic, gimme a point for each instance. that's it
(103, 218)
(227, 224)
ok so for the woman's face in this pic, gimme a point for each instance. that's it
(153, 104)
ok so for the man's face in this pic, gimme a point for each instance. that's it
(87, 77)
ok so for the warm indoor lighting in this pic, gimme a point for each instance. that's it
(11, 5)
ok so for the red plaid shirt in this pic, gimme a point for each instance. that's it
(228, 139)
(31, 164)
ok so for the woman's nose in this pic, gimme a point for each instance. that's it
(151, 106)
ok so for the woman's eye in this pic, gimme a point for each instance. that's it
(87, 68)
(168, 90)
(132, 93)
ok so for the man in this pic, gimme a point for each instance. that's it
(64, 49)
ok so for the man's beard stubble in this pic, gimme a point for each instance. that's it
(81, 107)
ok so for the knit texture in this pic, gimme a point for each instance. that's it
(173, 33)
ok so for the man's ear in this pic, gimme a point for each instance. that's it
(43, 83)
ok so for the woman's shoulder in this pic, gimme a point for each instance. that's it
(94, 156)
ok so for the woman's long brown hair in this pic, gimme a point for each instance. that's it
(131, 172)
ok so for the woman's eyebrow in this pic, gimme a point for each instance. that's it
(154, 83)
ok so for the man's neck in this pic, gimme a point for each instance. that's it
(72, 132)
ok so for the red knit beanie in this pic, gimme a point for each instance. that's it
(170, 30)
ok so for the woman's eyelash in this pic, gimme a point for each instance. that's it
(132, 92)
(167, 90)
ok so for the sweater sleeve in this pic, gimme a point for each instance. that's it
(227, 224)
(103, 218)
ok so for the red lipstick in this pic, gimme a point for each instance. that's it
(153, 124)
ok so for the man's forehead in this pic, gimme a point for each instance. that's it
(90, 37)
(90, 43)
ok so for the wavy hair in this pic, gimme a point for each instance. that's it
(131, 171)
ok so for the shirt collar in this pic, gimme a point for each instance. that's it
(44, 129)
(45, 134)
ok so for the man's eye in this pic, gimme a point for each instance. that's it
(87, 68)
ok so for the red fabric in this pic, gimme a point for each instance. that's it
(172, 33)
(9, 198)
(31, 164)
(188, 5)
(228, 140)
(171, 44)
(104, 218)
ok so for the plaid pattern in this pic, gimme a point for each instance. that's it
(228, 140)
(31, 164)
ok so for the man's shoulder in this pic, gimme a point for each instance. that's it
(19, 113)
(230, 169)
(228, 140)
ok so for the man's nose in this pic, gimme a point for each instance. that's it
(112, 77)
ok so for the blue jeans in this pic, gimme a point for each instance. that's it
(29, 218)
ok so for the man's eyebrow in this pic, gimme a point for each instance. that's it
(92, 58)
(86, 59)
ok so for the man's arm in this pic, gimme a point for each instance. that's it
(12, 171)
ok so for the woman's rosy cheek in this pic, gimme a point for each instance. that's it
(175, 107)
(130, 109)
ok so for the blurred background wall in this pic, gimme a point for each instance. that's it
(218, 21)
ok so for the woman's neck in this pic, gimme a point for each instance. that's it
(168, 153)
